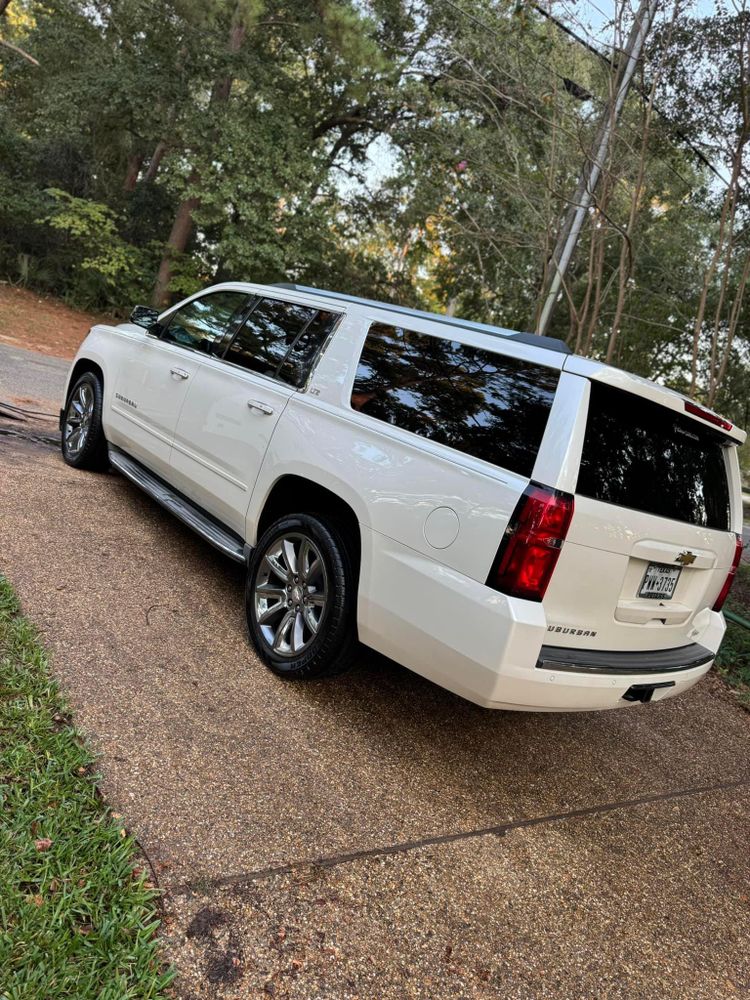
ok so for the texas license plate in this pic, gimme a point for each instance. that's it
(660, 581)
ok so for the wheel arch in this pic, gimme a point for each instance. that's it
(82, 366)
(293, 494)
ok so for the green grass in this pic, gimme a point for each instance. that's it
(733, 661)
(78, 918)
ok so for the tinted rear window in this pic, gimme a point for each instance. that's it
(488, 405)
(644, 456)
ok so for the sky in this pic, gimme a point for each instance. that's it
(593, 18)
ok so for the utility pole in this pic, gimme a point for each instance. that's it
(584, 194)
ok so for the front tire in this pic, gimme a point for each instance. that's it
(300, 598)
(83, 443)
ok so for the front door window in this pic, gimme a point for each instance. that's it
(202, 323)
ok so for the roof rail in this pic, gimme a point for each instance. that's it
(549, 343)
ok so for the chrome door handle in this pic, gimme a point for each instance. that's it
(179, 373)
(255, 404)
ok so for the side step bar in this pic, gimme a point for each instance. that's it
(221, 538)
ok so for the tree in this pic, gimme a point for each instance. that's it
(216, 139)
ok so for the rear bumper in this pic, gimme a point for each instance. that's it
(487, 647)
(551, 691)
(594, 661)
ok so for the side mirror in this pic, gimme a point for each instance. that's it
(144, 316)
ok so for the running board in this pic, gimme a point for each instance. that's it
(222, 539)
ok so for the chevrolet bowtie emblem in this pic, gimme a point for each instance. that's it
(686, 558)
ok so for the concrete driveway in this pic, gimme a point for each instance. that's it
(374, 836)
(28, 376)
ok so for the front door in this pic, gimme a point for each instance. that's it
(154, 376)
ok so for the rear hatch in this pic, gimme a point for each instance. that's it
(651, 541)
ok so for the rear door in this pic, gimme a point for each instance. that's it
(236, 400)
(651, 540)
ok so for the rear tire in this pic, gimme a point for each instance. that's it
(300, 598)
(83, 443)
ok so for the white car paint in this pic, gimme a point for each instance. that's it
(431, 518)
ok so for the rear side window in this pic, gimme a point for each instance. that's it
(487, 405)
(640, 455)
(281, 339)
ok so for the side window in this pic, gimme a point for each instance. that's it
(280, 339)
(204, 321)
(485, 404)
(297, 364)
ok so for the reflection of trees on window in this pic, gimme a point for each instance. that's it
(485, 404)
(280, 339)
(202, 322)
(299, 360)
(641, 455)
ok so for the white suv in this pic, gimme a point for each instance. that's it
(530, 529)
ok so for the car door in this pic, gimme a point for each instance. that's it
(153, 378)
(235, 401)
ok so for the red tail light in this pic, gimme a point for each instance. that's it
(719, 603)
(712, 418)
(531, 545)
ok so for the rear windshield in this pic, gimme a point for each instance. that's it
(644, 456)
(488, 405)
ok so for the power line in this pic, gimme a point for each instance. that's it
(567, 239)
(600, 55)
(531, 56)
(528, 54)
(569, 31)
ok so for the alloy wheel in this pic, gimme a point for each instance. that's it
(290, 594)
(78, 419)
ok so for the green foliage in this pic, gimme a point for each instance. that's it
(420, 152)
(104, 262)
(733, 661)
(81, 218)
(94, 226)
(77, 919)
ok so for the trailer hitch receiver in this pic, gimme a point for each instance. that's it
(644, 692)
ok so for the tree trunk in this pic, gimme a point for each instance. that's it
(627, 258)
(578, 317)
(155, 162)
(734, 316)
(715, 376)
(135, 162)
(183, 224)
(176, 244)
(726, 222)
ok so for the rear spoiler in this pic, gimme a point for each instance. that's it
(653, 391)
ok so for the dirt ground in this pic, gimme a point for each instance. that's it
(42, 324)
